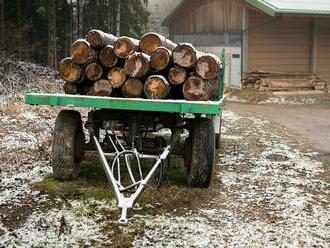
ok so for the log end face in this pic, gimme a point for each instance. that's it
(137, 65)
(69, 71)
(160, 58)
(101, 87)
(94, 71)
(196, 89)
(150, 42)
(156, 87)
(207, 67)
(117, 77)
(177, 75)
(107, 56)
(124, 47)
(184, 55)
(132, 88)
(94, 38)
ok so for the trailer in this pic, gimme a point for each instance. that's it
(125, 131)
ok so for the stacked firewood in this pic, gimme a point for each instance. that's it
(153, 67)
(277, 81)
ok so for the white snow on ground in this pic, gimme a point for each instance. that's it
(285, 100)
(71, 226)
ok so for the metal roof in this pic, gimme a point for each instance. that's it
(273, 7)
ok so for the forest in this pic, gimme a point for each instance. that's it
(41, 31)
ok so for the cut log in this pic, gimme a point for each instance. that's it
(137, 65)
(93, 71)
(70, 88)
(185, 55)
(69, 71)
(99, 39)
(208, 66)
(157, 87)
(84, 88)
(101, 87)
(214, 89)
(117, 77)
(150, 41)
(289, 83)
(125, 46)
(160, 59)
(196, 89)
(177, 75)
(132, 87)
(107, 56)
(82, 53)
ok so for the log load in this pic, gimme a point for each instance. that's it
(196, 89)
(137, 65)
(93, 71)
(185, 55)
(125, 46)
(99, 39)
(177, 75)
(151, 41)
(117, 77)
(208, 66)
(70, 71)
(107, 56)
(132, 88)
(82, 53)
(101, 87)
(156, 87)
(70, 88)
(160, 59)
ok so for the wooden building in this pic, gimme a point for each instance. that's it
(278, 36)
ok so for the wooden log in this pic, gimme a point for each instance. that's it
(214, 89)
(185, 55)
(69, 71)
(177, 75)
(82, 53)
(208, 66)
(84, 88)
(101, 87)
(117, 77)
(160, 59)
(151, 41)
(196, 89)
(132, 88)
(289, 83)
(125, 46)
(107, 56)
(156, 87)
(93, 71)
(99, 39)
(137, 65)
(70, 88)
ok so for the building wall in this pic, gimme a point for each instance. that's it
(280, 44)
(159, 9)
(323, 49)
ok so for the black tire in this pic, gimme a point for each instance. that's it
(218, 137)
(68, 145)
(199, 157)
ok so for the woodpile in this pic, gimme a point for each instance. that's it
(153, 67)
(277, 81)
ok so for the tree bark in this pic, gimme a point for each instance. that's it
(70, 88)
(196, 89)
(100, 39)
(101, 87)
(82, 53)
(2, 26)
(177, 75)
(150, 41)
(157, 87)
(117, 77)
(185, 55)
(107, 56)
(160, 59)
(70, 71)
(137, 65)
(208, 66)
(52, 60)
(125, 46)
(118, 15)
(93, 71)
(132, 88)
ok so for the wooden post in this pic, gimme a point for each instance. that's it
(196, 89)
(150, 41)
(107, 56)
(125, 46)
(156, 87)
(137, 65)
(70, 71)
(177, 75)
(117, 77)
(100, 39)
(93, 71)
(132, 88)
(160, 59)
(82, 53)
(208, 66)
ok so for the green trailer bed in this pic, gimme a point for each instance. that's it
(171, 106)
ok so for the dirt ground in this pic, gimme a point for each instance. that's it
(270, 188)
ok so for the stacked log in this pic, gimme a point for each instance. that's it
(153, 67)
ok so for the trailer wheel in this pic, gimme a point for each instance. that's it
(199, 157)
(68, 145)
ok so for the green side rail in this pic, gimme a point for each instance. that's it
(138, 104)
